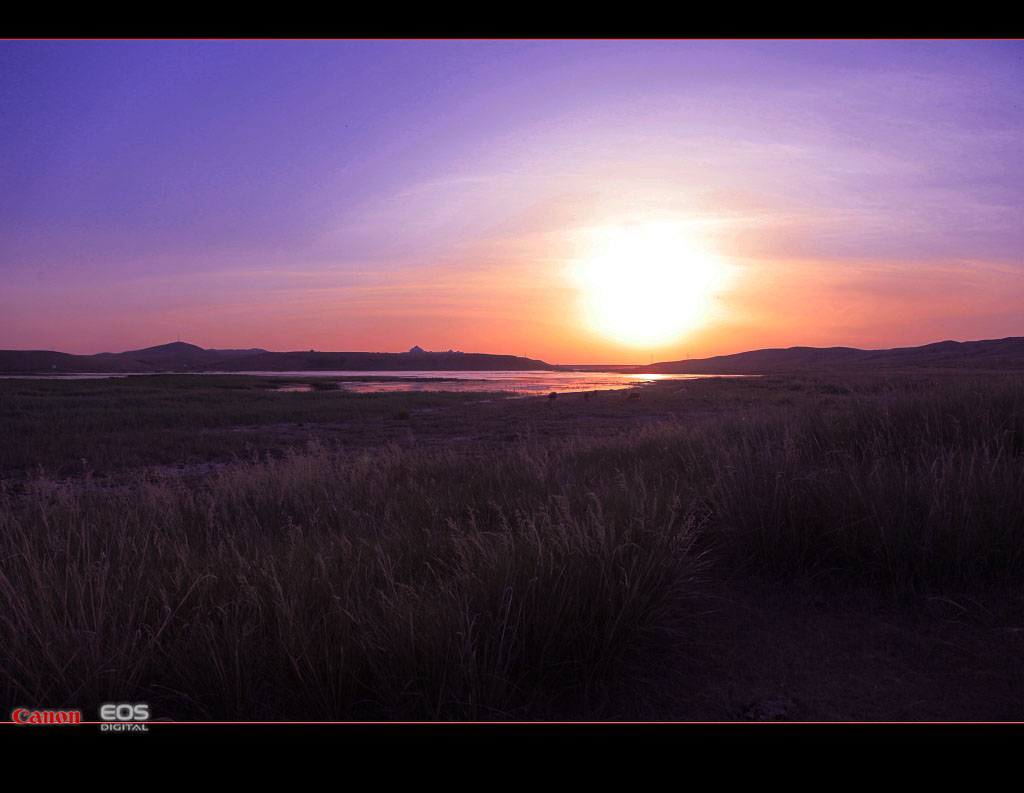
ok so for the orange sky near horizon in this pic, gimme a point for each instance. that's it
(523, 310)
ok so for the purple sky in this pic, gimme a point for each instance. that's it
(375, 195)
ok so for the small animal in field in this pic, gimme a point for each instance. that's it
(552, 396)
(634, 395)
(589, 394)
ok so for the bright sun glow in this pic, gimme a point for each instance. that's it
(646, 284)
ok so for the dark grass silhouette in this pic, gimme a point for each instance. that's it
(110, 424)
(544, 577)
(315, 587)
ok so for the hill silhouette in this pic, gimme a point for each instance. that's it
(1005, 353)
(181, 356)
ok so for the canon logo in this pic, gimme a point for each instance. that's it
(26, 716)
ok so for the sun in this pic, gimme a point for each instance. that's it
(646, 284)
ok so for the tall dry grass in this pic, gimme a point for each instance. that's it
(530, 580)
(331, 587)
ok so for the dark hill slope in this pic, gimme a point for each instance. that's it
(166, 356)
(375, 362)
(180, 356)
(1005, 353)
(48, 361)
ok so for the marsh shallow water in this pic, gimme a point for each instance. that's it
(526, 383)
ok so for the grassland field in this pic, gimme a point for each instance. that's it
(788, 547)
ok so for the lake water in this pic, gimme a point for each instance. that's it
(527, 383)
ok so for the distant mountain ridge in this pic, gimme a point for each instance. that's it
(1005, 353)
(181, 356)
